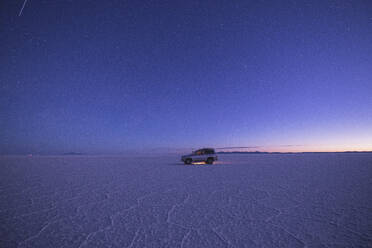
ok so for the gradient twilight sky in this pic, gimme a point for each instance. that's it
(114, 76)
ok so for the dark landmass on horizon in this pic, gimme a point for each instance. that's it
(257, 152)
(73, 153)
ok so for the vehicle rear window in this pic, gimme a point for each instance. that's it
(209, 151)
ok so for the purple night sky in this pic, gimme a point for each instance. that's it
(116, 76)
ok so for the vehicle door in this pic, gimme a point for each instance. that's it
(208, 153)
(198, 156)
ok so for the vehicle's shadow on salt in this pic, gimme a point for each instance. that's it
(186, 165)
(180, 164)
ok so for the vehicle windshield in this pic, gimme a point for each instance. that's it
(198, 152)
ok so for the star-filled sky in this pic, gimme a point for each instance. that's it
(116, 76)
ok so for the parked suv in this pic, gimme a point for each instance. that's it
(206, 155)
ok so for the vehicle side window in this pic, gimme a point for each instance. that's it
(199, 152)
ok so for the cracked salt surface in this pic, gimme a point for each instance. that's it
(307, 200)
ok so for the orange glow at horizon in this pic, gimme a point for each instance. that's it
(307, 148)
(337, 140)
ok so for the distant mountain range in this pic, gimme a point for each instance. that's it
(73, 153)
(257, 152)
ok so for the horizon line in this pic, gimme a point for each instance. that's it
(149, 153)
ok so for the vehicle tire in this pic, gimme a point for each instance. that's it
(188, 161)
(210, 161)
